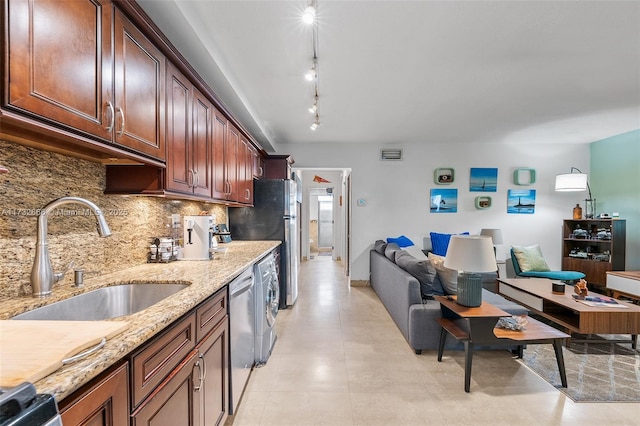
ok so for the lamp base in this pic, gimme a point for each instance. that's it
(469, 290)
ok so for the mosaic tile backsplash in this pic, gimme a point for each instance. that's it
(38, 177)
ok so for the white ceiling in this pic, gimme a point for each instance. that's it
(417, 71)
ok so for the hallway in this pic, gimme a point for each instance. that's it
(340, 360)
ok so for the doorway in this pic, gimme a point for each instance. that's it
(325, 225)
(325, 218)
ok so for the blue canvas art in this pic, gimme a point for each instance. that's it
(444, 201)
(521, 201)
(483, 180)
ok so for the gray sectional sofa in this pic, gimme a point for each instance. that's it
(400, 293)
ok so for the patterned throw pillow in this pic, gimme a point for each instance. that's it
(530, 258)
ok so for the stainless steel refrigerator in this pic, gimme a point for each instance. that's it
(272, 217)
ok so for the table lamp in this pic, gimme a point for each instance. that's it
(470, 255)
(495, 234)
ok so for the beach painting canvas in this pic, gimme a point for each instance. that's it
(483, 179)
(444, 201)
(521, 201)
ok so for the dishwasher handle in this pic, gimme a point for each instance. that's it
(242, 286)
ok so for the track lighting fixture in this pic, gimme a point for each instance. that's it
(309, 17)
(312, 74)
(309, 14)
(313, 109)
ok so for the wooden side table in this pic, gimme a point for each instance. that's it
(477, 326)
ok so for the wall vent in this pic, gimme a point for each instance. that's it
(391, 154)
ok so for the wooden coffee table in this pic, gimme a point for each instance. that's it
(477, 326)
(563, 309)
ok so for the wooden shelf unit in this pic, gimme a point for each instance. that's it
(601, 254)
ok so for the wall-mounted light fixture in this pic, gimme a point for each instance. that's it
(572, 182)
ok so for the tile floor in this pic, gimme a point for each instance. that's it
(340, 360)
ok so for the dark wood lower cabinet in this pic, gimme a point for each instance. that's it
(214, 393)
(196, 392)
(173, 403)
(105, 402)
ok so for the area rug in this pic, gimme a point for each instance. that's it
(596, 371)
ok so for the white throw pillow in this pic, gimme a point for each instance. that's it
(448, 277)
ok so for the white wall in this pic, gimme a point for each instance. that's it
(397, 193)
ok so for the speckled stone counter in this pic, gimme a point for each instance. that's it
(204, 279)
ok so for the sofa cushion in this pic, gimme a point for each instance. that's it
(401, 241)
(530, 259)
(415, 252)
(440, 242)
(380, 246)
(390, 251)
(448, 277)
(423, 271)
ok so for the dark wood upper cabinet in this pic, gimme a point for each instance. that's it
(139, 80)
(60, 62)
(62, 70)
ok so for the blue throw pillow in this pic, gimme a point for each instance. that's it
(401, 241)
(440, 242)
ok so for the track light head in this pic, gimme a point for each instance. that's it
(312, 74)
(309, 14)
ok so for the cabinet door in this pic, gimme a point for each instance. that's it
(201, 138)
(66, 78)
(246, 171)
(231, 162)
(215, 390)
(104, 403)
(179, 174)
(219, 183)
(139, 80)
(175, 402)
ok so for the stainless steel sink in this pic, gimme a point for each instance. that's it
(104, 303)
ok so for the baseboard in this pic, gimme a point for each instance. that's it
(359, 283)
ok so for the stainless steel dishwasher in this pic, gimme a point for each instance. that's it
(241, 333)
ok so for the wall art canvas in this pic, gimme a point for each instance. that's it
(483, 179)
(444, 201)
(521, 201)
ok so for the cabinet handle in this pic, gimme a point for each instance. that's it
(201, 378)
(196, 183)
(119, 111)
(260, 171)
(190, 178)
(204, 367)
(248, 194)
(111, 117)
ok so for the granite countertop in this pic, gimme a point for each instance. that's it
(204, 279)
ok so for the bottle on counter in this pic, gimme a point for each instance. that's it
(577, 212)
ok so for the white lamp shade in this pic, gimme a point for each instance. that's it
(495, 234)
(471, 253)
(571, 182)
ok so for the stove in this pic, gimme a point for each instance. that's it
(22, 406)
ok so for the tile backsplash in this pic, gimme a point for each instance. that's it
(38, 177)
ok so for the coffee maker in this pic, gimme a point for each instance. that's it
(198, 237)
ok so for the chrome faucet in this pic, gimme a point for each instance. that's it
(42, 275)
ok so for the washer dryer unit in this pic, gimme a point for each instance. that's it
(267, 302)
